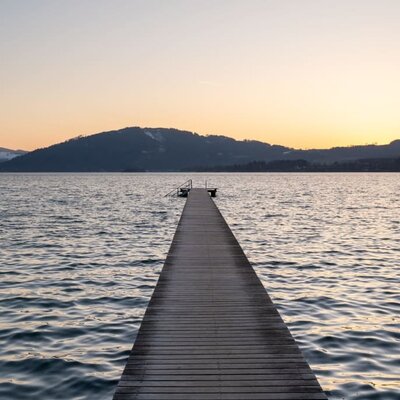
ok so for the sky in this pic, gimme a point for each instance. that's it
(301, 73)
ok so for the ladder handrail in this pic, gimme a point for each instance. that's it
(188, 184)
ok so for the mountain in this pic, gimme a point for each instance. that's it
(7, 154)
(350, 153)
(144, 149)
(160, 149)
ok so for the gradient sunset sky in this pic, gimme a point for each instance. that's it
(301, 73)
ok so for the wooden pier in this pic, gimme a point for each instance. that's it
(210, 330)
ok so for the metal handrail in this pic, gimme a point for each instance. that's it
(174, 192)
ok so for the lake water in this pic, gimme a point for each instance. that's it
(80, 255)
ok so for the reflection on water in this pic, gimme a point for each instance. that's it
(80, 255)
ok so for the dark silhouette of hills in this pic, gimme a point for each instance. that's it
(362, 165)
(158, 149)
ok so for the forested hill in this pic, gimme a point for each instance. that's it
(142, 149)
(362, 165)
(159, 149)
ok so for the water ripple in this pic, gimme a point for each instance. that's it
(81, 253)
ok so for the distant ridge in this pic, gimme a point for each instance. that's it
(8, 154)
(361, 165)
(161, 149)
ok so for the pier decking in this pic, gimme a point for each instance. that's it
(210, 330)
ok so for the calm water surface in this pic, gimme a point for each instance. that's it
(80, 255)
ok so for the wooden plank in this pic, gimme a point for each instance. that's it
(210, 330)
(221, 396)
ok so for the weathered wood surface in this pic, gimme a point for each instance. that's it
(210, 330)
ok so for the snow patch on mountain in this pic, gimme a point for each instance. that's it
(7, 155)
(154, 135)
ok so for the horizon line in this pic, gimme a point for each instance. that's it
(200, 134)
